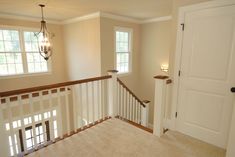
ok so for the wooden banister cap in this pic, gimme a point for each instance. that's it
(113, 71)
(162, 77)
(146, 101)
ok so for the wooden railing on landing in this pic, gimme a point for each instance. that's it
(84, 99)
(87, 100)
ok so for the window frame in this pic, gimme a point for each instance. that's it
(130, 32)
(23, 52)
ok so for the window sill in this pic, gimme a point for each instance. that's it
(25, 75)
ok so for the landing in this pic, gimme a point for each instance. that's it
(119, 139)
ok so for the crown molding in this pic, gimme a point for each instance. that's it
(119, 17)
(81, 18)
(33, 19)
(158, 19)
(86, 17)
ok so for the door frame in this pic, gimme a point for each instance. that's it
(178, 51)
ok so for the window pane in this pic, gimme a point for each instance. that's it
(2, 58)
(7, 35)
(3, 69)
(35, 61)
(1, 46)
(1, 37)
(28, 134)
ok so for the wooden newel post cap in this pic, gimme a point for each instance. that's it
(146, 101)
(161, 77)
(112, 71)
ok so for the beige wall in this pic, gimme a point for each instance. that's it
(155, 49)
(82, 48)
(58, 62)
(107, 50)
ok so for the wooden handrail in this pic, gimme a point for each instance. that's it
(46, 87)
(161, 77)
(124, 86)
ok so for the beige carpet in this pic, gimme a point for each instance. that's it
(115, 138)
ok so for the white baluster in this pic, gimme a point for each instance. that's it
(81, 106)
(87, 104)
(118, 100)
(74, 96)
(4, 149)
(52, 136)
(93, 102)
(102, 99)
(124, 104)
(59, 114)
(144, 113)
(136, 111)
(128, 105)
(67, 109)
(121, 102)
(99, 99)
(131, 108)
(33, 120)
(19, 98)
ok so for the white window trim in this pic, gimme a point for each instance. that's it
(23, 52)
(129, 30)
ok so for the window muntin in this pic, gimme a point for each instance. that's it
(123, 49)
(19, 52)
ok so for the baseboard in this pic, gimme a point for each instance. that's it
(150, 125)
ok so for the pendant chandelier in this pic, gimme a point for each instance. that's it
(43, 38)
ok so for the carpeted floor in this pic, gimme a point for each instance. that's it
(115, 138)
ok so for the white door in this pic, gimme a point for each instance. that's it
(207, 74)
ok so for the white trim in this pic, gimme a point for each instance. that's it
(23, 53)
(81, 18)
(179, 40)
(130, 31)
(158, 19)
(27, 18)
(150, 125)
(98, 14)
(119, 17)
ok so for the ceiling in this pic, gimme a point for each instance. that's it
(66, 9)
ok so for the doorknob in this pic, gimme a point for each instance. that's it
(233, 89)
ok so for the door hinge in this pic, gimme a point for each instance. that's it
(182, 24)
(176, 114)
(179, 73)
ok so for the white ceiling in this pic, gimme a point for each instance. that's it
(66, 9)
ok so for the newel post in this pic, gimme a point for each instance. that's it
(112, 93)
(145, 113)
(159, 104)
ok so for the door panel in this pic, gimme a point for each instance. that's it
(207, 74)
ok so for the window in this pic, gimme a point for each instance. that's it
(123, 46)
(19, 53)
(30, 134)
